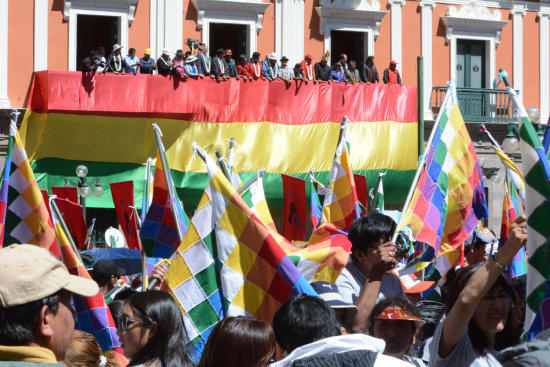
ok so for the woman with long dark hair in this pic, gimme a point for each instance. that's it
(239, 342)
(151, 331)
(478, 305)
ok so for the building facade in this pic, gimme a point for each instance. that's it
(468, 41)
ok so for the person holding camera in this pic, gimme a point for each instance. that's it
(367, 277)
(90, 63)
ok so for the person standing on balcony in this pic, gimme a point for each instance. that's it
(270, 68)
(191, 67)
(219, 72)
(164, 64)
(147, 63)
(90, 63)
(230, 65)
(370, 74)
(353, 73)
(116, 61)
(308, 72)
(253, 70)
(343, 60)
(178, 66)
(131, 62)
(102, 61)
(337, 75)
(204, 62)
(241, 63)
(322, 70)
(285, 71)
(391, 75)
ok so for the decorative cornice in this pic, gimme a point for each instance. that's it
(426, 3)
(473, 18)
(396, 2)
(366, 15)
(544, 12)
(253, 9)
(127, 5)
(351, 4)
(519, 10)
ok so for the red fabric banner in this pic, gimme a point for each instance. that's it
(54, 248)
(362, 193)
(123, 198)
(66, 192)
(294, 214)
(73, 215)
(206, 100)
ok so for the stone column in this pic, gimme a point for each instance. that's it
(289, 29)
(426, 7)
(518, 11)
(544, 43)
(396, 29)
(4, 100)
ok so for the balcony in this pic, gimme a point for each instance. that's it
(479, 105)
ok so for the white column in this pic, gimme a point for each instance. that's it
(544, 40)
(289, 29)
(426, 7)
(4, 100)
(153, 28)
(396, 29)
(518, 11)
(40, 35)
(173, 25)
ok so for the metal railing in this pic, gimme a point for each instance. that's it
(478, 105)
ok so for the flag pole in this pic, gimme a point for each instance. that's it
(247, 185)
(55, 209)
(222, 165)
(450, 91)
(231, 154)
(146, 193)
(377, 188)
(172, 195)
(483, 128)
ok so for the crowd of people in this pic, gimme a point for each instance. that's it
(223, 66)
(365, 318)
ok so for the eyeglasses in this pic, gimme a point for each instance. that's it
(125, 321)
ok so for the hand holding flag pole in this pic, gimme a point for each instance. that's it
(422, 162)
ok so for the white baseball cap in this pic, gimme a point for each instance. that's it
(30, 273)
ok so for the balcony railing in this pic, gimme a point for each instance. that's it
(479, 105)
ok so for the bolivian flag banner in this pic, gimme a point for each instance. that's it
(105, 122)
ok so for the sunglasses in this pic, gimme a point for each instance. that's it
(125, 321)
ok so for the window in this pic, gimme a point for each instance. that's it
(94, 31)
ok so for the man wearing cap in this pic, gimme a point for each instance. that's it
(115, 64)
(230, 65)
(322, 70)
(147, 63)
(36, 316)
(253, 70)
(204, 61)
(191, 67)
(106, 275)
(285, 72)
(391, 75)
(270, 68)
(131, 62)
(308, 71)
(475, 247)
(337, 75)
(345, 312)
(164, 64)
(218, 66)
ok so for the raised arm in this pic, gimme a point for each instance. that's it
(477, 286)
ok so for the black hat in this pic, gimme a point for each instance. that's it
(105, 269)
(284, 58)
(220, 51)
(298, 65)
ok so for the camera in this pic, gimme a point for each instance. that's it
(193, 44)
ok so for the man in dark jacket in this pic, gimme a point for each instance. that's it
(322, 70)
(164, 64)
(219, 71)
(370, 74)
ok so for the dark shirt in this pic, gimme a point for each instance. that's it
(322, 72)
(217, 64)
(111, 64)
(164, 68)
(87, 64)
(231, 68)
(204, 64)
(146, 66)
(370, 74)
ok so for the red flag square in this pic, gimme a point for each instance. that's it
(294, 215)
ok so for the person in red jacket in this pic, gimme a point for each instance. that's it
(253, 70)
(391, 75)
(308, 71)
